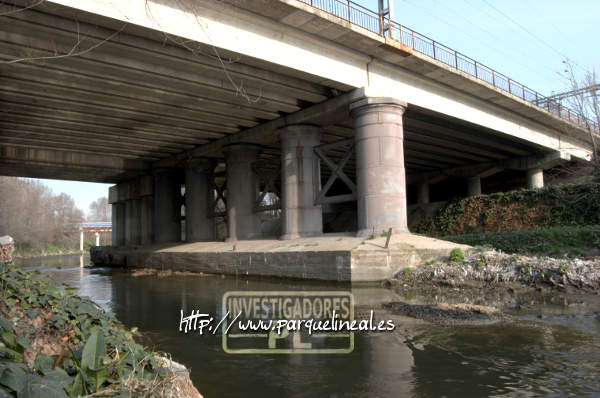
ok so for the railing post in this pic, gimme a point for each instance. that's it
(476, 70)
(509, 86)
(433, 44)
(412, 33)
(523, 90)
(455, 59)
(536, 99)
(493, 78)
(349, 19)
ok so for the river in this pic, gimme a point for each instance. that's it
(551, 348)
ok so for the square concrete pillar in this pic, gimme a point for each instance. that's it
(198, 225)
(118, 224)
(300, 217)
(535, 178)
(474, 186)
(167, 205)
(242, 192)
(132, 222)
(380, 174)
(146, 220)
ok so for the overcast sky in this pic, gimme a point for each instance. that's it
(526, 40)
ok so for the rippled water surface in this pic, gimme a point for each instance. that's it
(557, 354)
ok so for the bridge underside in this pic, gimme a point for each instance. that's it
(143, 98)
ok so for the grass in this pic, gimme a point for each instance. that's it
(573, 240)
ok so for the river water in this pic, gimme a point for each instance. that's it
(551, 348)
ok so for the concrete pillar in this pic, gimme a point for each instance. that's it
(300, 217)
(198, 225)
(535, 178)
(118, 224)
(380, 174)
(474, 186)
(146, 220)
(167, 206)
(132, 222)
(242, 192)
(423, 193)
(145, 190)
(97, 239)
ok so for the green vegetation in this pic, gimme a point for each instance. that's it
(575, 240)
(457, 255)
(407, 271)
(565, 205)
(56, 344)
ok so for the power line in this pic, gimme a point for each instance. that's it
(523, 28)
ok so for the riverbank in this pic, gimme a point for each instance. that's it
(57, 344)
(491, 267)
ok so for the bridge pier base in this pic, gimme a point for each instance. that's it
(380, 174)
(198, 226)
(167, 206)
(242, 190)
(300, 174)
(535, 178)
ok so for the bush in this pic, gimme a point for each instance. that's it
(457, 255)
(565, 205)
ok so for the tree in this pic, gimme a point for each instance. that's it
(583, 97)
(100, 210)
(33, 216)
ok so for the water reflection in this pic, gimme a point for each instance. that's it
(524, 358)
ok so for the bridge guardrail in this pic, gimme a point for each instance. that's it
(373, 22)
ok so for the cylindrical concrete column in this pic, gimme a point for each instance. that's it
(423, 193)
(535, 178)
(132, 222)
(242, 192)
(167, 206)
(380, 175)
(300, 217)
(198, 226)
(474, 186)
(118, 224)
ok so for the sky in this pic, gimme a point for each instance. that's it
(527, 40)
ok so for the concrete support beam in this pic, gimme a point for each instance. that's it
(474, 186)
(380, 174)
(535, 178)
(242, 191)
(167, 206)
(300, 216)
(198, 226)
(423, 193)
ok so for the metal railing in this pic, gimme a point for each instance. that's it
(373, 22)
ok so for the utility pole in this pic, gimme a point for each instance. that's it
(386, 13)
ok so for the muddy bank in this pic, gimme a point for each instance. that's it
(448, 314)
(493, 267)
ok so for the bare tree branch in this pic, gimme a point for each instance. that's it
(75, 51)
(16, 10)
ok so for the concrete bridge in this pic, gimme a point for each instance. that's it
(232, 108)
